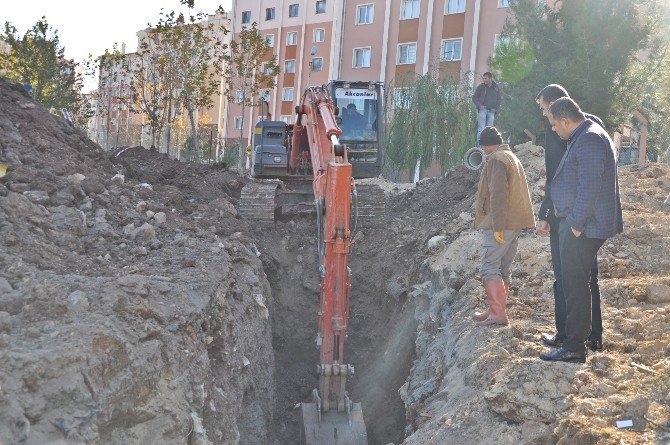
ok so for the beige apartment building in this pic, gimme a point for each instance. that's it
(115, 125)
(376, 40)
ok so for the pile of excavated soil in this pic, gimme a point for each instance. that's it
(137, 307)
(469, 384)
(197, 182)
(131, 311)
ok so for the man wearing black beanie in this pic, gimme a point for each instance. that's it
(503, 210)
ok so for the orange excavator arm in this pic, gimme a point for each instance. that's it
(317, 130)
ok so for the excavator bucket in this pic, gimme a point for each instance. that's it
(333, 427)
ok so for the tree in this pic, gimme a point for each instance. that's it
(428, 118)
(152, 76)
(251, 67)
(591, 48)
(656, 106)
(198, 53)
(113, 90)
(37, 59)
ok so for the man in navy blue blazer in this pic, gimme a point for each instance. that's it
(554, 149)
(585, 193)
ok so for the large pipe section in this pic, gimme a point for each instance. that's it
(474, 158)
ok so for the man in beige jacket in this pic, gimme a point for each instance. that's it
(503, 210)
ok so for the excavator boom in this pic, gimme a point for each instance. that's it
(332, 418)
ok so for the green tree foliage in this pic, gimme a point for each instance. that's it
(593, 48)
(37, 59)
(428, 118)
(198, 53)
(113, 90)
(177, 68)
(656, 107)
(251, 69)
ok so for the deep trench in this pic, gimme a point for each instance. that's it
(380, 339)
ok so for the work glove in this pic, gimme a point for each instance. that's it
(499, 237)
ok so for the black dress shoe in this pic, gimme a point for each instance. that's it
(563, 355)
(594, 344)
(553, 341)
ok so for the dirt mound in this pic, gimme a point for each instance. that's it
(137, 307)
(470, 384)
(130, 312)
(199, 182)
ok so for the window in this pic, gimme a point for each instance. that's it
(320, 6)
(317, 63)
(287, 94)
(501, 39)
(361, 58)
(239, 97)
(401, 98)
(270, 40)
(267, 69)
(286, 119)
(266, 95)
(289, 66)
(269, 13)
(409, 9)
(455, 6)
(246, 17)
(503, 3)
(364, 14)
(238, 122)
(293, 10)
(291, 38)
(319, 35)
(451, 50)
(406, 53)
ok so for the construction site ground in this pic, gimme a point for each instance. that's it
(136, 306)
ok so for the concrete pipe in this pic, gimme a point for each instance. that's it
(474, 158)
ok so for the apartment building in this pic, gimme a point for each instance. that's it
(378, 40)
(116, 125)
(300, 34)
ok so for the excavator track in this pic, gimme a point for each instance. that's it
(265, 201)
(257, 201)
(371, 205)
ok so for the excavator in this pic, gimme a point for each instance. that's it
(282, 171)
(315, 147)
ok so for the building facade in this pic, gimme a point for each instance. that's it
(375, 40)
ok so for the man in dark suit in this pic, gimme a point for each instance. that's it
(585, 193)
(554, 149)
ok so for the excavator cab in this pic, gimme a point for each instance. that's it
(360, 118)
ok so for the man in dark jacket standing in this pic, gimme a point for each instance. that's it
(554, 149)
(487, 101)
(585, 193)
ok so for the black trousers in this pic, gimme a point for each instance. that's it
(559, 298)
(577, 256)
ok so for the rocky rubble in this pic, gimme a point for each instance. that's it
(471, 385)
(135, 308)
(130, 312)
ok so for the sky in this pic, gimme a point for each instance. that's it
(89, 27)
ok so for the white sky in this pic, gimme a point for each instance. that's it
(89, 27)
